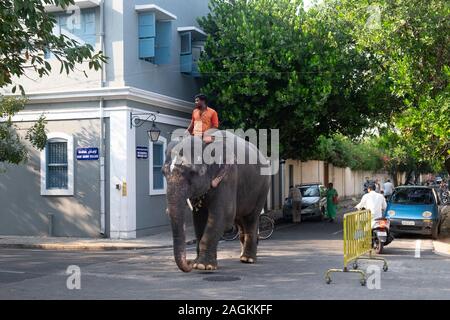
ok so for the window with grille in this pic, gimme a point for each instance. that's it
(57, 165)
(157, 180)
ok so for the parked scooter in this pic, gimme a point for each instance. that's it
(381, 236)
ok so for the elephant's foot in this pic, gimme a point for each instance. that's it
(199, 264)
(247, 259)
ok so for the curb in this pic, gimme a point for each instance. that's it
(80, 247)
(441, 248)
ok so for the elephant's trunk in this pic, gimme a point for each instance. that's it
(177, 212)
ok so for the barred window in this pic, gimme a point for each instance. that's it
(57, 165)
(158, 155)
(157, 180)
(57, 173)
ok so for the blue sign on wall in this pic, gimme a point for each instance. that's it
(87, 154)
(142, 152)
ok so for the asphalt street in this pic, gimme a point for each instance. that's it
(291, 265)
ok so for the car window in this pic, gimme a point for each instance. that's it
(312, 191)
(412, 196)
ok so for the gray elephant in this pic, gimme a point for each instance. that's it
(238, 198)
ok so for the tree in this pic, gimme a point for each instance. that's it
(400, 156)
(270, 64)
(343, 152)
(25, 33)
(412, 42)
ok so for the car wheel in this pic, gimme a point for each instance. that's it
(435, 232)
(321, 217)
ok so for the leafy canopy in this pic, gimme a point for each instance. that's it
(25, 33)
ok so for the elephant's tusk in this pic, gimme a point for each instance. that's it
(190, 204)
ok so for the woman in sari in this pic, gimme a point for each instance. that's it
(331, 202)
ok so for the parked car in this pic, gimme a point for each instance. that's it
(416, 209)
(314, 202)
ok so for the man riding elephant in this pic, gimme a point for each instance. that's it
(238, 198)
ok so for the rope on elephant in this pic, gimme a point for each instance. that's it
(197, 203)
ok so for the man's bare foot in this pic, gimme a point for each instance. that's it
(215, 182)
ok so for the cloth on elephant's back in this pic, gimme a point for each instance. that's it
(240, 147)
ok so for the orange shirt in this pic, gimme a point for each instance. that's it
(204, 121)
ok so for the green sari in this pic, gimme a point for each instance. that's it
(331, 207)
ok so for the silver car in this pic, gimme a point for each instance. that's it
(314, 202)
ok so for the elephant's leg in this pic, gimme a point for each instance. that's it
(199, 219)
(249, 238)
(220, 213)
(207, 247)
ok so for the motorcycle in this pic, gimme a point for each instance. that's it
(381, 236)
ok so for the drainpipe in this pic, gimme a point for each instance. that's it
(102, 126)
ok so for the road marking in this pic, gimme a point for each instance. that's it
(418, 244)
(9, 271)
(337, 232)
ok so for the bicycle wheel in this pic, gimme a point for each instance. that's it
(266, 226)
(231, 234)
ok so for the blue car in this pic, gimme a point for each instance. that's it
(417, 210)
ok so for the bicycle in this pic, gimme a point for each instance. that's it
(265, 229)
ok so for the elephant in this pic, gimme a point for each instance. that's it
(238, 199)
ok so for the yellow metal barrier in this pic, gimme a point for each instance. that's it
(357, 243)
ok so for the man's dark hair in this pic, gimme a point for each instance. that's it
(371, 186)
(291, 187)
(330, 184)
(202, 97)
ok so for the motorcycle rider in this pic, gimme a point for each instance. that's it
(373, 201)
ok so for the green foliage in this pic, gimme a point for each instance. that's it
(412, 43)
(343, 152)
(270, 64)
(12, 149)
(26, 31)
(400, 156)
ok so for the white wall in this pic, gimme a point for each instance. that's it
(347, 182)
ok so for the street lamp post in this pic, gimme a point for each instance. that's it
(136, 121)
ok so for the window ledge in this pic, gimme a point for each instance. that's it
(57, 192)
(160, 13)
(157, 192)
(82, 4)
(197, 34)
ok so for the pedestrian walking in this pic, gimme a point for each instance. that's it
(296, 197)
(366, 185)
(377, 186)
(388, 188)
(332, 201)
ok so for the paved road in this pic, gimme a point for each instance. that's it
(291, 265)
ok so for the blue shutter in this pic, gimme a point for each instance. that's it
(186, 43)
(146, 48)
(84, 30)
(186, 52)
(88, 27)
(57, 166)
(186, 63)
(146, 35)
(163, 42)
(147, 25)
(88, 18)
